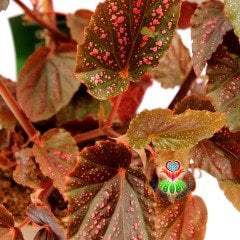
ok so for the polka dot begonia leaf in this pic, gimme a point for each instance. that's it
(123, 40)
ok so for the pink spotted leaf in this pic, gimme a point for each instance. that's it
(209, 24)
(77, 23)
(184, 219)
(124, 39)
(224, 85)
(219, 156)
(56, 155)
(104, 193)
(46, 82)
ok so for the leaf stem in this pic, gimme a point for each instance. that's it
(83, 137)
(183, 89)
(26, 124)
(43, 23)
(113, 111)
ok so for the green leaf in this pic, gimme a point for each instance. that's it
(7, 119)
(232, 11)
(173, 132)
(219, 156)
(77, 23)
(56, 155)
(3, 4)
(231, 191)
(26, 172)
(193, 103)
(224, 85)
(107, 198)
(118, 47)
(81, 106)
(46, 82)
(184, 219)
(7, 229)
(42, 215)
(174, 66)
(209, 24)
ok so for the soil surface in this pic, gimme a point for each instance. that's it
(14, 197)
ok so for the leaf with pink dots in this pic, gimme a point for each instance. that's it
(104, 193)
(219, 155)
(56, 154)
(184, 219)
(123, 41)
(209, 25)
(223, 87)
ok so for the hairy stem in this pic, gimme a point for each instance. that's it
(26, 124)
(113, 111)
(184, 88)
(43, 23)
(83, 137)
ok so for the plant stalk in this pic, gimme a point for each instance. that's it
(113, 111)
(83, 137)
(183, 89)
(43, 23)
(26, 124)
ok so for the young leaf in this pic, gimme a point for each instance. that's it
(7, 229)
(132, 98)
(56, 155)
(3, 4)
(46, 82)
(223, 85)
(232, 11)
(193, 103)
(209, 24)
(173, 132)
(231, 191)
(26, 172)
(124, 39)
(219, 156)
(77, 23)
(7, 119)
(184, 219)
(174, 66)
(42, 215)
(107, 198)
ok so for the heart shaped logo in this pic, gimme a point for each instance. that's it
(173, 166)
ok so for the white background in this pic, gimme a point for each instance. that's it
(223, 218)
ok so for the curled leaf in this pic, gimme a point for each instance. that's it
(77, 22)
(174, 66)
(209, 24)
(104, 193)
(26, 172)
(124, 39)
(173, 132)
(231, 191)
(42, 215)
(46, 82)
